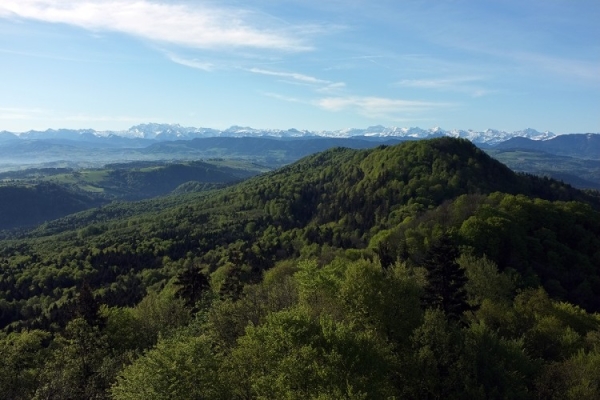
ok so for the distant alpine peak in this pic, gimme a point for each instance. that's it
(166, 132)
(156, 131)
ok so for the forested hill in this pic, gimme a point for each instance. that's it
(339, 250)
(27, 205)
(376, 184)
(33, 196)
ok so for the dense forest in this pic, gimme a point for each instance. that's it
(423, 270)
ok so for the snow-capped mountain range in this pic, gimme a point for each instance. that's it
(169, 132)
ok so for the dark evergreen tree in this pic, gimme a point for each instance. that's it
(193, 283)
(446, 280)
(87, 307)
(386, 255)
(232, 287)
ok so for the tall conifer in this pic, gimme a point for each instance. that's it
(446, 280)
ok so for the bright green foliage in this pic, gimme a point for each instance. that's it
(549, 330)
(435, 371)
(182, 368)
(450, 362)
(577, 378)
(78, 366)
(295, 356)
(130, 331)
(319, 286)
(495, 367)
(124, 330)
(21, 356)
(485, 282)
(158, 314)
(386, 301)
(227, 319)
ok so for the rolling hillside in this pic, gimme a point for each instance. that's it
(29, 205)
(338, 259)
(342, 197)
(33, 196)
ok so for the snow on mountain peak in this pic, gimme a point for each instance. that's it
(164, 132)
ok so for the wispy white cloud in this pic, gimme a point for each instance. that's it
(46, 56)
(194, 25)
(569, 68)
(332, 87)
(321, 85)
(290, 75)
(456, 84)
(437, 83)
(289, 99)
(16, 113)
(379, 107)
(369, 106)
(205, 66)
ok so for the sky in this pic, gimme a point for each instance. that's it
(304, 64)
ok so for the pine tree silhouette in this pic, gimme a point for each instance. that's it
(446, 280)
(193, 283)
(87, 307)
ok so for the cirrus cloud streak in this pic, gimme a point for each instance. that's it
(456, 84)
(322, 85)
(290, 75)
(379, 107)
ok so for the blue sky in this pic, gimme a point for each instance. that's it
(318, 65)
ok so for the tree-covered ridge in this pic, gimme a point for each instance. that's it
(25, 205)
(35, 196)
(376, 183)
(276, 286)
